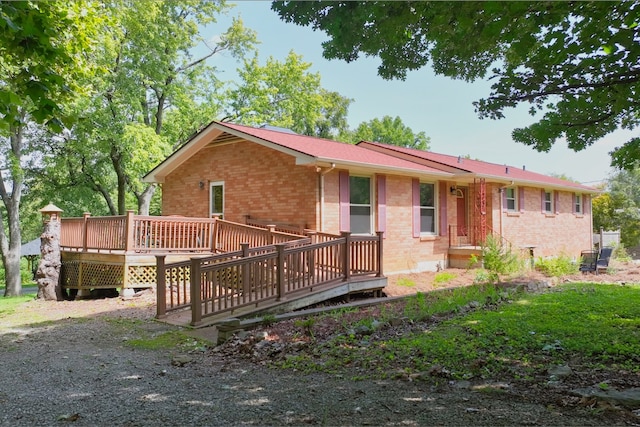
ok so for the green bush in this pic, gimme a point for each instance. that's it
(561, 265)
(620, 253)
(498, 258)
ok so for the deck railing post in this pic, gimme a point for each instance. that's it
(85, 232)
(161, 287)
(272, 229)
(129, 234)
(196, 292)
(380, 239)
(214, 232)
(280, 273)
(347, 255)
(246, 275)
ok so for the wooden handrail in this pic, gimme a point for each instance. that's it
(254, 276)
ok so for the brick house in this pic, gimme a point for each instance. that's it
(434, 209)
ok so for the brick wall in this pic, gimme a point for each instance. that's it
(258, 181)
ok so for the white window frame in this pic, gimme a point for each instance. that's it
(548, 204)
(578, 207)
(360, 205)
(211, 211)
(507, 198)
(424, 208)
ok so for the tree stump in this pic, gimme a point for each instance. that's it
(48, 273)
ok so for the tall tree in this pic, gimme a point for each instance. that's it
(576, 63)
(390, 131)
(623, 206)
(150, 71)
(286, 94)
(42, 56)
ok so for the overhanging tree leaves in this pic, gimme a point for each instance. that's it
(42, 53)
(576, 63)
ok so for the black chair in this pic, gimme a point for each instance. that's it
(588, 261)
(603, 259)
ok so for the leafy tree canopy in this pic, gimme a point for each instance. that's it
(389, 131)
(286, 94)
(576, 63)
(42, 56)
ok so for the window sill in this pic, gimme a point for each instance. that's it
(549, 215)
(514, 214)
(428, 237)
(579, 215)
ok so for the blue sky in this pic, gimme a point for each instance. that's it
(439, 106)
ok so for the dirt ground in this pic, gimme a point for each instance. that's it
(87, 366)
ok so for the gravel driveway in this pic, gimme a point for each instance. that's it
(71, 363)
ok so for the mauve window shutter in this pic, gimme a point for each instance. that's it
(542, 198)
(345, 216)
(586, 200)
(573, 202)
(504, 200)
(521, 199)
(443, 208)
(382, 203)
(415, 202)
(556, 202)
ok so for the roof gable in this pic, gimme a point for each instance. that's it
(307, 150)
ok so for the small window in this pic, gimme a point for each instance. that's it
(547, 202)
(360, 204)
(217, 199)
(427, 208)
(578, 204)
(511, 199)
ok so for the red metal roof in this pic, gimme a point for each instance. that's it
(477, 167)
(327, 150)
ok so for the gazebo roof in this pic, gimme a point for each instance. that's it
(31, 248)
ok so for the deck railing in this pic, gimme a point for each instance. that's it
(256, 276)
(152, 234)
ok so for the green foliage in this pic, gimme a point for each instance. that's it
(287, 95)
(524, 336)
(557, 266)
(620, 253)
(531, 51)
(498, 258)
(389, 131)
(403, 281)
(443, 277)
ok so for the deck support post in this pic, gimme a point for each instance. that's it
(161, 288)
(280, 273)
(196, 300)
(347, 255)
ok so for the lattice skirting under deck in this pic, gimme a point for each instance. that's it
(100, 275)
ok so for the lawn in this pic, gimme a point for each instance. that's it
(487, 333)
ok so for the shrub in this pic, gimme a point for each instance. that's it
(561, 265)
(498, 258)
(620, 253)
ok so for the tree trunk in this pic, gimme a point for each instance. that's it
(144, 199)
(11, 246)
(48, 273)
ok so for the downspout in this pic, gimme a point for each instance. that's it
(321, 174)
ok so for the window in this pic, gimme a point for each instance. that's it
(427, 208)
(360, 204)
(510, 199)
(217, 199)
(578, 204)
(547, 201)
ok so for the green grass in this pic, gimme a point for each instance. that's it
(8, 305)
(443, 277)
(590, 326)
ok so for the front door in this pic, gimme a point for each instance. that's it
(461, 211)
